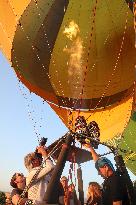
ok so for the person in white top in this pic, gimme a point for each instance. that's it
(32, 162)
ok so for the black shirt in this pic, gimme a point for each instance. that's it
(114, 189)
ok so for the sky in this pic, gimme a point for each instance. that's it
(22, 115)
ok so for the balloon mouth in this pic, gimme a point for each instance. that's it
(94, 103)
(75, 103)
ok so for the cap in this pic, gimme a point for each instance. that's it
(103, 161)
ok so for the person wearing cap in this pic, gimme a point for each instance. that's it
(114, 191)
(32, 162)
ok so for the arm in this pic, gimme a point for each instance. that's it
(49, 164)
(15, 196)
(16, 199)
(45, 170)
(117, 203)
(95, 156)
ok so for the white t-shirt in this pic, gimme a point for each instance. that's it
(37, 191)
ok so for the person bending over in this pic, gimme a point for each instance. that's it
(114, 189)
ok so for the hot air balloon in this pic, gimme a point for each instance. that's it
(79, 56)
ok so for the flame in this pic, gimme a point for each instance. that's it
(75, 51)
(72, 30)
(75, 60)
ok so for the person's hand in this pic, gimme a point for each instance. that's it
(87, 145)
(42, 150)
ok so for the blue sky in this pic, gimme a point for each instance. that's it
(18, 117)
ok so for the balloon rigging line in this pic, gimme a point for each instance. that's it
(56, 71)
(115, 66)
(114, 140)
(85, 72)
(39, 15)
(34, 122)
(104, 154)
(10, 2)
(29, 112)
(33, 47)
(114, 70)
(48, 46)
(47, 74)
(88, 53)
(78, 9)
(18, 68)
(90, 46)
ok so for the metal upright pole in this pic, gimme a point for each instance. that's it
(80, 185)
(52, 193)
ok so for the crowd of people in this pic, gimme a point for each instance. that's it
(112, 192)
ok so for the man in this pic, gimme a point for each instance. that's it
(33, 161)
(114, 189)
(18, 182)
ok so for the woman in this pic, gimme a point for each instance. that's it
(18, 182)
(94, 194)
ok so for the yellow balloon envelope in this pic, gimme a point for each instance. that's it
(77, 55)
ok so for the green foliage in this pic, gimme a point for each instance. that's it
(2, 198)
(134, 116)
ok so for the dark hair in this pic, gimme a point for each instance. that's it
(12, 181)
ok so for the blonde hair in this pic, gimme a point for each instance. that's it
(28, 161)
(94, 190)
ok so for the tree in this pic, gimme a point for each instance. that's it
(2, 198)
